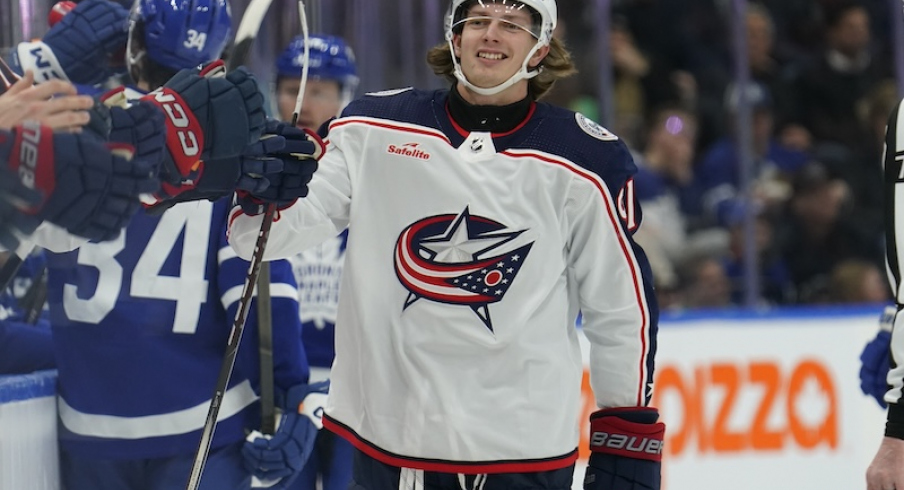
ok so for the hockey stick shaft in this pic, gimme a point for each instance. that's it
(245, 35)
(253, 15)
(265, 310)
(265, 306)
(232, 348)
(265, 341)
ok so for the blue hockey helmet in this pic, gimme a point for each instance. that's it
(184, 33)
(329, 58)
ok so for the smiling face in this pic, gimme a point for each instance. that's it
(492, 44)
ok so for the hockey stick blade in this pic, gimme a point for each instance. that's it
(247, 32)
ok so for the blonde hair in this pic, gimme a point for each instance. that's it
(555, 65)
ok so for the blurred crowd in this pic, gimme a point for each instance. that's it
(822, 87)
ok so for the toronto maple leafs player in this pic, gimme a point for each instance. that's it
(140, 322)
(332, 79)
(481, 222)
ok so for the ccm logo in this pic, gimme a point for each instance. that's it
(626, 443)
(180, 121)
(28, 153)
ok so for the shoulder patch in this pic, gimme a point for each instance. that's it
(593, 129)
(387, 93)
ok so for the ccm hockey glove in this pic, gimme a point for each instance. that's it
(246, 172)
(626, 449)
(89, 187)
(875, 361)
(81, 47)
(275, 461)
(211, 116)
(141, 126)
(299, 156)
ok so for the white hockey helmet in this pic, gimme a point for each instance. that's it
(544, 13)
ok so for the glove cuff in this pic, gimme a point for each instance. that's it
(184, 140)
(627, 432)
(31, 159)
(253, 206)
(319, 145)
(39, 58)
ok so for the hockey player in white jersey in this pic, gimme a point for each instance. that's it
(886, 472)
(481, 222)
(140, 322)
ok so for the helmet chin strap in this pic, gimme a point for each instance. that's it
(521, 74)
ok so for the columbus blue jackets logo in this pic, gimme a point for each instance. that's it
(460, 260)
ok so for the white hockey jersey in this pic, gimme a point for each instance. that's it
(469, 258)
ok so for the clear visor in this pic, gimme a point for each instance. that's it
(511, 16)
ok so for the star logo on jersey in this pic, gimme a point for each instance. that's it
(459, 260)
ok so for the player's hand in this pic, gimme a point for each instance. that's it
(614, 466)
(141, 125)
(886, 472)
(302, 151)
(875, 361)
(223, 176)
(80, 47)
(276, 461)
(89, 187)
(54, 104)
(211, 115)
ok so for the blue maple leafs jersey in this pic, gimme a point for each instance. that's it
(469, 257)
(140, 327)
(318, 271)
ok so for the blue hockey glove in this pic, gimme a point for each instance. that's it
(89, 187)
(81, 47)
(141, 126)
(302, 151)
(626, 449)
(210, 115)
(276, 461)
(875, 361)
(246, 172)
